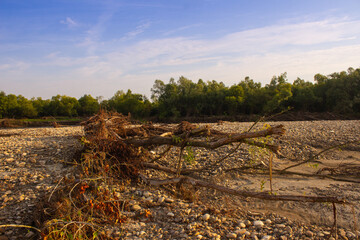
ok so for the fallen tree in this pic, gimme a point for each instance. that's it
(126, 149)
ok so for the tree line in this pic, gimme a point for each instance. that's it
(337, 92)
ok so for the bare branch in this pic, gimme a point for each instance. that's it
(242, 193)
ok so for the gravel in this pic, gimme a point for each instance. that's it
(34, 160)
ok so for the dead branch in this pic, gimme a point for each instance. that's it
(157, 140)
(243, 193)
(313, 158)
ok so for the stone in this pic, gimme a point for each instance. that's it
(350, 235)
(241, 231)
(258, 224)
(170, 214)
(146, 194)
(309, 233)
(342, 232)
(231, 235)
(266, 237)
(160, 200)
(169, 200)
(268, 221)
(242, 225)
(288, 229)
(135, 207)
(205, 217)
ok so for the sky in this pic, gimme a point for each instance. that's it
(97, 47)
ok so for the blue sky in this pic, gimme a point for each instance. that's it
(77, 47)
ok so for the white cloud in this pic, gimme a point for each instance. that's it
(93, 35)
(69, 22)
(14, 66)
(138, 30)
(177, 30)
(301, 49)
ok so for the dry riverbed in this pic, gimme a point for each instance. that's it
(33, 160)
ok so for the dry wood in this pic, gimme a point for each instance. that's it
(240, 137)
(136, 141)
(243, 193)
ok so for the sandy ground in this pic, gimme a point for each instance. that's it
(28, 154)
(342, 164)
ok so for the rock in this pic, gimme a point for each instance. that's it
(288, 229)
(241, 231)
(231, 235)
(146, 194)
(160, 200)
(135, 207)
(170, 214)
(258, 224)
(342, 233)
(350, 234)
(242, 225)
(309, 233)
(266, 237)
(268, 221)
(247, 223)
(169, 200)
(205, 217)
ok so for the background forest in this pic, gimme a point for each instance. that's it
(337, 92)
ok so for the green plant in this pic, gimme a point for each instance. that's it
(262, 184)
(189, 155)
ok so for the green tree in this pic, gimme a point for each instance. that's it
(279, 91)
(63, 106)
(3, 104)
(88, 105)
(135, 104)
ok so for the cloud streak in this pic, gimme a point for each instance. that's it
(69, 22)
(302, 49)
(138, 30)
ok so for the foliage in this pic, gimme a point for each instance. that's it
(337, 92)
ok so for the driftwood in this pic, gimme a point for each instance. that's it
(109, 131)
(243, 193)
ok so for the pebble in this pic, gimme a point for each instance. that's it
(258, 224)
(205, 217)
(342, 232)
(147, 194)
(169, 200)
(241, 231)
(161, 200)
(231, 235)
(136, 207)
(266, 237)
(309, 233)
(164, 225)
(242, 225)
